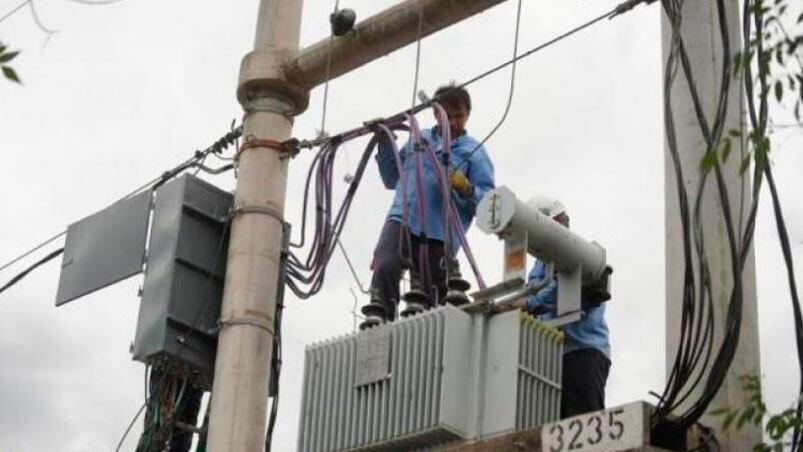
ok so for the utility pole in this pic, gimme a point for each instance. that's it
(240, 389)
(274, 84)
(701, 36)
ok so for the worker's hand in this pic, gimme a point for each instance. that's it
(459, 182)
(534, 308)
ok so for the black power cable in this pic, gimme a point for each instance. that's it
(400, 116)
(511, 90)
(195, 161)
(25, 272)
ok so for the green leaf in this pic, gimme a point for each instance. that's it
(735, 133)
(747, 414)
(729, 419)
(777, 427)
(745, 164)
(778, 90)
(6, 57)
(708, 161)
(719, 411)
(726, 148)
(11, 74)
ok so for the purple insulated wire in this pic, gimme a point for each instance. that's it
(305, 282)
(443, 182)
(458, 227)
(405, 229)
(443, 176)
(423, 249)
(446, 142)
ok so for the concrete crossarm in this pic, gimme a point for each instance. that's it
(379, 35)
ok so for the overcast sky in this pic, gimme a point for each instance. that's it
(123, 92)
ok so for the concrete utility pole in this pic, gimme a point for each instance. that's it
(702, 39)
(274, 82)
(238, 412)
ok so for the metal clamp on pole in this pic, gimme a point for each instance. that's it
(266, 325)
(286, 149)
(264, 210)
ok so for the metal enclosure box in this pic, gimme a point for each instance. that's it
(444, 375)
(183, 285)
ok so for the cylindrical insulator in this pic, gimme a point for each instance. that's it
(501, 213)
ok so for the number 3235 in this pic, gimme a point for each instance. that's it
(586, 432)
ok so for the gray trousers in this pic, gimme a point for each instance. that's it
(389, 265)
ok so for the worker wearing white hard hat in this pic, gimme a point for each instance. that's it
(550, 207)
(586, 350)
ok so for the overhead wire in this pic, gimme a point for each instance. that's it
(32, 250)
(400, 116)
(215, 149)
(322, 131)
(511, 90)
(351, 267)
(95, 3)
(25, 272)
(14, 10)
(417, 52)
(130, 426)
(48, 31)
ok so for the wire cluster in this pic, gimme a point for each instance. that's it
(701, 365)
(172, 407)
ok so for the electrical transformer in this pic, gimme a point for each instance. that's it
(440, 376)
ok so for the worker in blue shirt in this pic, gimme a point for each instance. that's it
(586, 349)
(470, 175)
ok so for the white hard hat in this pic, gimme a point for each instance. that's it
(547, 206)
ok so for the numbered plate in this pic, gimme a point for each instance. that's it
(616, 429)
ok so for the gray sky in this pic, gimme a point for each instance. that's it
(128, 90)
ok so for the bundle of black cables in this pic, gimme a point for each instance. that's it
(693, 365)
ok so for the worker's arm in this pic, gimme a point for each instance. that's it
(545, 300)
(388, 170)
(473, 177)
(481, 175)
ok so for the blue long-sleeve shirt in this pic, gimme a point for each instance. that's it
(477, 167)
(590, 331)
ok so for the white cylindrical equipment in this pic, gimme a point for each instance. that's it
(501, 213)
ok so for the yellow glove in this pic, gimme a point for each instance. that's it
(459, 182)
